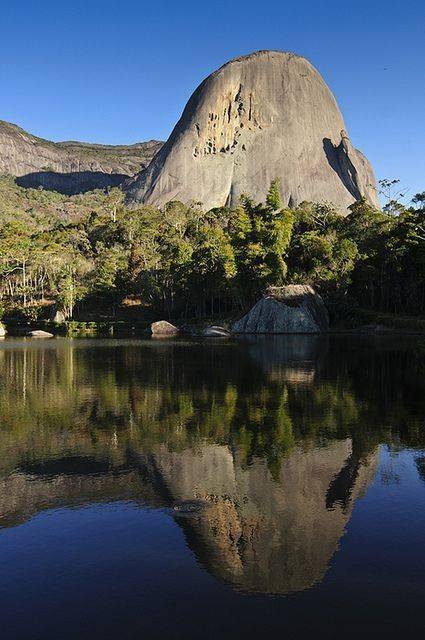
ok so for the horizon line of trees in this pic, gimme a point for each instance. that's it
(182, 261)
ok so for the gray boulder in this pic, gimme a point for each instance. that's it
(164, 328)
(263, 116)
(57, 315)
(289, 309)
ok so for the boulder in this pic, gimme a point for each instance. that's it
(164, 328)
(2, 330)
(289, 309)
(259, 117)
(57, 315)
(39, 333)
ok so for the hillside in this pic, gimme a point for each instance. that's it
(40, 209)
(69, 167)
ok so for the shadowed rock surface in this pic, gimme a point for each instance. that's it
(259, 117)
(289, 309)
(69, 167)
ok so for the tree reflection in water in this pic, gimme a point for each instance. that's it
(258, 448)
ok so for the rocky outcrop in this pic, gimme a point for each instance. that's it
(57, 315)
(69, 167)
(263, 116)
(289, 309)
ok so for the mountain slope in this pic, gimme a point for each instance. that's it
(69, 167)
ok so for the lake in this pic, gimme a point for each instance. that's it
(245, 488)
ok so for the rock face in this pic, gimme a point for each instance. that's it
(69, 167)
(290, 309)
(263, 116)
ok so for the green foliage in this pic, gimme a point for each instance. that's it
(260, 235)
(274, 199)
(320, 253)
(419, 199)
(89, 251)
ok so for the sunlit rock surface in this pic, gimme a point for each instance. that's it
(263, 116)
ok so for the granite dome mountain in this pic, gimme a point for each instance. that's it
(263, 116)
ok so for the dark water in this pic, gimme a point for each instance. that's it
(260, 488)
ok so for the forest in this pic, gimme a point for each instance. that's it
(90, 256)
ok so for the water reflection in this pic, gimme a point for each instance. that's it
(258, 448)
(259, 533)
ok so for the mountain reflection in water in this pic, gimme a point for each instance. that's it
(257, 448)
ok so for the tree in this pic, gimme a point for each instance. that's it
(392, 194)
(274, 199)
(419, 199)
(114, 200)
(212, 270)
(106, 280)
(15, 253)
(260, 236)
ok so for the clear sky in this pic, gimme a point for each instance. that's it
(120, 72)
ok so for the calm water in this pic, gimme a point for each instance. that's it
(259, 488)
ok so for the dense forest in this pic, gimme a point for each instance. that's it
(88, 254)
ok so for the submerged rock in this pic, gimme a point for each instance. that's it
(289, 309)
(215, 332)
(373, 329)
(164, 328)
(189, 507)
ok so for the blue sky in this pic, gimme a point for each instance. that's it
(120, 72)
